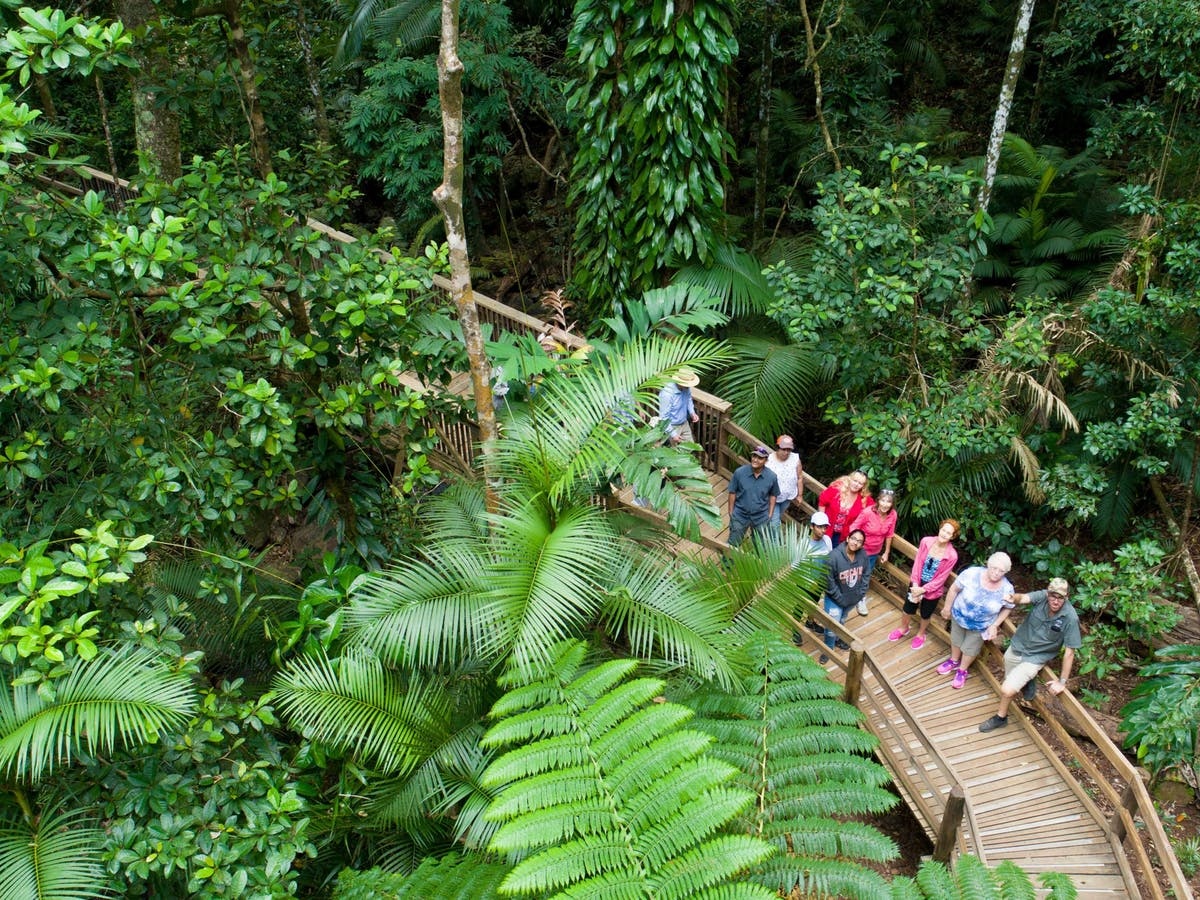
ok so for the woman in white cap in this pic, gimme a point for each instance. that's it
(785, 463)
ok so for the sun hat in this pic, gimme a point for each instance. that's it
(686, 378)
(785, 442)
(819, 518)
(1059, 586)
(760, 451)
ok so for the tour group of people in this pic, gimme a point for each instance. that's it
(852, 531)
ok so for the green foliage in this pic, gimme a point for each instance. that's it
(452, 877)
(1188, 854)
(804, 756)
(972, 880)
(599, 784)
(395, 123)
(769, 383)
(1162, 720)
(648, 176)
(1129, 593)
(190, 401)
(219, 809)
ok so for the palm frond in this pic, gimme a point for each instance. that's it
(656, 614)
(680, 308)
(600, 783)
(735, 276)
(768, 383)
(126, 695)
(58, 859)
(356, 705)
(425, 613)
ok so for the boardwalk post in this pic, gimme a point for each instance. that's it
(1128, 803)
(948, 829)
(854, 670)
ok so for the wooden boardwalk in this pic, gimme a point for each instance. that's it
(1022, 802)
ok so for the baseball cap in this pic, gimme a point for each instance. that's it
(760, 451)
(819, 518)
(1059, 586)
(785, 442)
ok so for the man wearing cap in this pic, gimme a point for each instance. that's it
(676, 408)
(1051, 625)
(785, 463)
(753, 492)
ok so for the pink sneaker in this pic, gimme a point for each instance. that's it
(898, 634)
(947, 667)
(918, 642)
(960, 678)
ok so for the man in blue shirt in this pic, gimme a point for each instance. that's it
(753, 490)
(676, 409)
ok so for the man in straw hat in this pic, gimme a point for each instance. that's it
(676, 409)
(1051, 625)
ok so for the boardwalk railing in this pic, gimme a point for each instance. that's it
(1134, 827)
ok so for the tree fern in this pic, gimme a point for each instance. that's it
(603, 792)
(972, 880)
(800, 751)
(452, 877)
(57, 859)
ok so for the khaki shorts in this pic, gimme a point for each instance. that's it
(1017, 674)
(970, 642)
(683, 432)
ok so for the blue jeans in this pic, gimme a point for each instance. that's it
(870, 566)
(838, 615)
(763, 530)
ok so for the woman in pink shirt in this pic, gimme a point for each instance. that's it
(935, 560)
(878, 524)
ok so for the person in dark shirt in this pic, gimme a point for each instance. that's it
(753, 490)
(847, 580)
(1051, 625)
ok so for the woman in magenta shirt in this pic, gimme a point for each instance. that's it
(878, 523)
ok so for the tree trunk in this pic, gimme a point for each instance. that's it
(1016, 59)
(812, 50)
(49, 110)
(156, 128)
(449, 199)
(260, 144)
(313, 74)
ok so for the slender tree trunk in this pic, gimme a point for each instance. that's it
(1008, 88)
(260, 144)
(108, 141)
(812, 50)
(449, 199)
(313, 73)
(45, 98)
(156, 128)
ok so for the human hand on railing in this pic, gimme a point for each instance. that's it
(989, 633)
(946, 611)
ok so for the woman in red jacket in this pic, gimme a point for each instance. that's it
(842, 501)
(935, 560)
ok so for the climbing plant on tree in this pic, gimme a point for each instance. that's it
(648, 178)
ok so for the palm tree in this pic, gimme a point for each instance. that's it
(125, 696)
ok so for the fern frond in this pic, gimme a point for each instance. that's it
(452, 877)
(602, 786)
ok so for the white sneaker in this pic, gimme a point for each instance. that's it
(862, 607)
